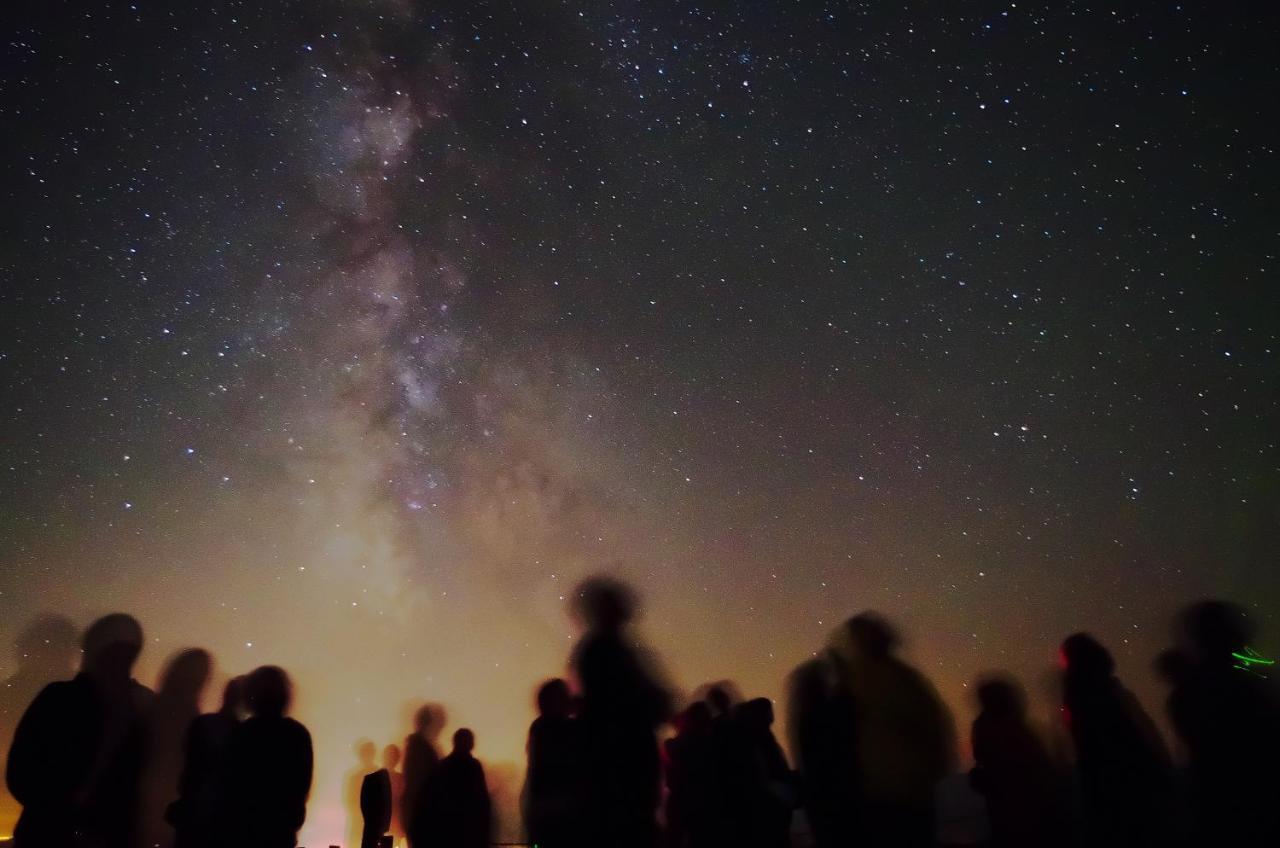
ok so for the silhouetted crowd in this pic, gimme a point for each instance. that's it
(100, 761)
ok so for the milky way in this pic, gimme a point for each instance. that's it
(350, 335)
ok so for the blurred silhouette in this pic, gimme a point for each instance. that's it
(269, 767)
(197, 816)
(1013, 771)
(821, 720)
(905, 736)
(377, 800)
(457, 812)
(176, 706)
(1227, 715)
(553, 780)
(622, 706)
(421, 757)
(353, 788)
(1123, 766)
(47, 648)
(391, 765)
(77, 754)
(694, 803)
(759, 785)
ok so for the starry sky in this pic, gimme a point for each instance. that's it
(350, 334)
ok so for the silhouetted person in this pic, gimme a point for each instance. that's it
(421, 757)
(622, 707)
(270, 766)
(694, 799)
(759, 780)
(1013, 771)
(1227, 713)
(391, 757)
(554, 778)
(376, 803)
(176, 706)
(822, 722)
(353, 787)
(458, 812)
(47, 649)
(1123, 766)
(198, 816)
(77, 754)
(905, 737)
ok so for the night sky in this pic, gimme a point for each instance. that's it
(350, 335)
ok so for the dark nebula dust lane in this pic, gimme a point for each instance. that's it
(349, 335)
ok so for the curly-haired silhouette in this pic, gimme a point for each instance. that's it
(1227, 714)
(1123, 766)
(1013, 771)
(198, 814)
(270, 766)
(554, 777)
(623, 704)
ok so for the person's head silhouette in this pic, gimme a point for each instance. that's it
(111, 647)
(464, 741)
(391, 757)
(1084, 657)
(554, 699)
(757, 714)
(870, 635)
(1214, 629)
(185, 676)
(233, 700)
(47, 646)
(366, 753)
(429, 720)
(719, 699)
(1001, 696)
(268, 691)
(604, 604)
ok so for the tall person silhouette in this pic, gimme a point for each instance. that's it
(623, 704)
(1123, 765)
(1226, 711)
(77, 753)
(906, 739)
(270, 766)
(421, 757)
